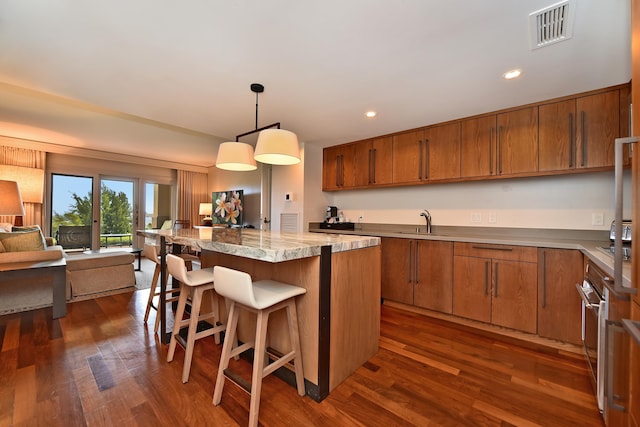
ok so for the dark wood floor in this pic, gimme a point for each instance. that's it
(101, 366)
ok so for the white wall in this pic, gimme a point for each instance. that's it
(556, 202)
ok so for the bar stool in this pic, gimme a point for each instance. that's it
(263, 298)
(151, 252)
(193, 284)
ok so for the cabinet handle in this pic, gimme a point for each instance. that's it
(415, 264)
(409, 262)
(495, 280)
(544, 279)
(584, 137)
(491, 131)
(426, 159)
(500, 130)
(420, 159)
(486, 277)
(572, 142)
(493, 248)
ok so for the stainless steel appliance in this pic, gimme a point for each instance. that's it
(594, 295)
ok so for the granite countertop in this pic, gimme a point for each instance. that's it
(588, 242)
(267, 246)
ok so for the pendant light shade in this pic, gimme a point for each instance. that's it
(236, 156)
(277, 147)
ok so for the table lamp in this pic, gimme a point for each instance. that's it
(206, 209)
(10, 200)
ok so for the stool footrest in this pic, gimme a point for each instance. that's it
(275, 355)
(237, 380)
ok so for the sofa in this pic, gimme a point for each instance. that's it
(87, 275)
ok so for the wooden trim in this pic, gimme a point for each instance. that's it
(324, 324)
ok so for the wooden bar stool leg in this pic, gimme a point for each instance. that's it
(229, 341)
(152, 291)
(215, 308)
(258, 366)
(157, 326)
(292, 317)
(196, 301)
(182, 302)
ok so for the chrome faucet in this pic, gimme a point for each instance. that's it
(425, 213)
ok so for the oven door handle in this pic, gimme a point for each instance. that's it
(588, 304)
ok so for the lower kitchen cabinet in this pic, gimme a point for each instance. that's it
(559, 307)
(496, 284)
(418, 272)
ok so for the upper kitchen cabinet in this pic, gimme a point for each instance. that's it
(598, 125)
(517, 145)
(557, 124)
(409, 157)
(477, 146)
(373, 162)
(442, 147)
(338, 167)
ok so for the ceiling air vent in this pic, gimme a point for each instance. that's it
(552, 24)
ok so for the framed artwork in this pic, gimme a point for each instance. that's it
(228, 207)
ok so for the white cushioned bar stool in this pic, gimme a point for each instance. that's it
(262, 297)
(151, 252)
(193, 284)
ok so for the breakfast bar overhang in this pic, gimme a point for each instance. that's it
(339, 316)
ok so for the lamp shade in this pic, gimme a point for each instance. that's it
(10, 200)
(206, 209)
(277, 147)
(30, 181)
(235, 156)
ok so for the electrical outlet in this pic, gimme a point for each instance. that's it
(493, 218)
(597, 218)
(476, 217)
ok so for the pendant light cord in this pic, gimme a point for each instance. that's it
(257, 93)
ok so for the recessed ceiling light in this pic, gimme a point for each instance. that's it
(370, 114)
(512, 74)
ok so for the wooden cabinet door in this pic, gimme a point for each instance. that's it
(559, 307)
(397, 270)
(597, 128)
(382, 160)
(363, 153)
(433, 287)
(517, 149)
(408, 157)
(338, 167)
(442, 152)
(514, 295)
(557, 124)
(478, 147)
(330, 160)
(472, 288)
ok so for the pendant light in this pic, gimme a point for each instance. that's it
(274, 146)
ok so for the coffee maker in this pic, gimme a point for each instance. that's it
(332, 214)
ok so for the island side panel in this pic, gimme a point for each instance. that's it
(303, 272)
(355, 310)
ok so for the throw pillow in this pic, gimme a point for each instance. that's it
(5, 226)
(22, 241)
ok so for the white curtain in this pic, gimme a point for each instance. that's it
(33, 212)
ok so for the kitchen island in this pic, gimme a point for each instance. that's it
(339, 316)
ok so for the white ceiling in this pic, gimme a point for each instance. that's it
(170, 79)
